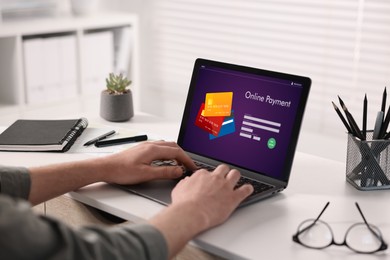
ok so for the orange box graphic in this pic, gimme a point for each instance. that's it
(218, 104)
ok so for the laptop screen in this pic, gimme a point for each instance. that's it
(245, 117)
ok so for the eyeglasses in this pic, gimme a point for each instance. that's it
(360, 237)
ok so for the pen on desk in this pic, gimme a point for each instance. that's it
(354, 127)
(342, 118)
(119, 141)
(364, 123)
(101, 137)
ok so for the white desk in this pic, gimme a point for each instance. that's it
(259, 231)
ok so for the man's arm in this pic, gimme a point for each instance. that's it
(25, 235)
(46, 238)
(128, 167)
(199, 202)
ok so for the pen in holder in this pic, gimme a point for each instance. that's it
(368, 163)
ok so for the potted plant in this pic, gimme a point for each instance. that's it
(116, 102)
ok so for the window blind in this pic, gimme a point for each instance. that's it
(342, 45)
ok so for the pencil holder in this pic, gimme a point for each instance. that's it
(368, 163)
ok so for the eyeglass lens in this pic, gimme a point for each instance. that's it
(319, 235)
(360, 238)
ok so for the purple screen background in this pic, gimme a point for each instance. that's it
(232, 148)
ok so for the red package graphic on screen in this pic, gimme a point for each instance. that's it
(211, 124)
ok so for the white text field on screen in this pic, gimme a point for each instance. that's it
(259, 120)
(275, 130)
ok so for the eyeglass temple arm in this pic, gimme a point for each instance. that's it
(315, 221)
(368, 226)
(361, 214)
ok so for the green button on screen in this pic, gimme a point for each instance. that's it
(271, 143)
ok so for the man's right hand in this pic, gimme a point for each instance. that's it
(199, 202)
(212, 193)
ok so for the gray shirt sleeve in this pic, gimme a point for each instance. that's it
(25, 235)
(15, 181)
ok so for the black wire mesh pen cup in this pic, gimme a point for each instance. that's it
(368, 163)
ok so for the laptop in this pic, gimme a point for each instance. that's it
(244, 117)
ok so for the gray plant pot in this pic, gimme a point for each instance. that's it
(116, 108)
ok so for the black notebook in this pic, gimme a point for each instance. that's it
(42, 135)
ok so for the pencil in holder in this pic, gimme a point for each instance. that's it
(368, 163)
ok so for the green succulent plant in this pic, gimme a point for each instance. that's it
(117, 84)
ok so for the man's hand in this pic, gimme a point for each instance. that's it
(199, 202)
(134, 165)
(212, 193)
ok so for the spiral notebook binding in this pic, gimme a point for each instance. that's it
(74, 133)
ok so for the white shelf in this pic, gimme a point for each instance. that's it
(49, 25)
(13, 35)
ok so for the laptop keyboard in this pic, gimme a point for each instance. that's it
(258, 187)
